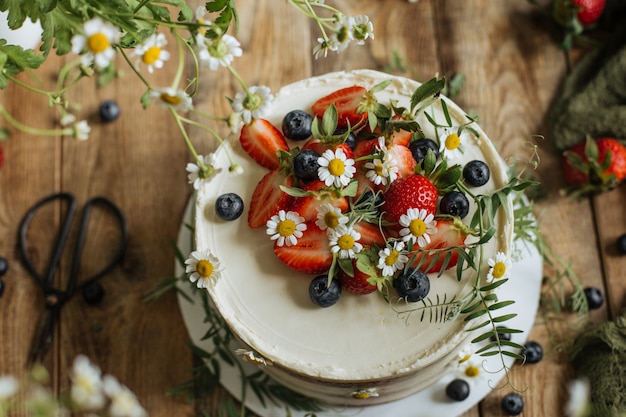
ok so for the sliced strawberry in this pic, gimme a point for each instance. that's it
(267, 198)
(346, 101)
(356, 284)
(401, 137)
(413, 191)
(308, 206)
(311, 254)
(448, 235)
(261, 140)
(404, 160)
(370, 234)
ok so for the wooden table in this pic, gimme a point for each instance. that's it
(510, 57)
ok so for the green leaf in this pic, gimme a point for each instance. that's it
(495, 284)
(501, 304)
(329, 121)
(429, 89)
(503, 318)
(475, 314)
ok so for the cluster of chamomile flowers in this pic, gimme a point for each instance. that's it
(90, 394)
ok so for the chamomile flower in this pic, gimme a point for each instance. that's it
(286, 227)
(329, 217)
(81, 130)
(123, 402)
(362, 29)
(203, 267)
(470, 368)
(169, 97)
(322, 48)
(418, 225)
(235, 169)
(342, 35)
(96, 42)
(381, 171)
(253, 105)
(499, 267)
(202, 171)
(253, 357)
(392, 259)
(86, 390)
(214, 53)
(335, 168)
(344, 242)
(151, 52)
(464, 354)
(201, 12)
(8, 386)
(365, 393)
(578, 404)
(451, 146)
(67, 119)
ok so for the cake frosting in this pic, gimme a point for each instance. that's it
(363, 347)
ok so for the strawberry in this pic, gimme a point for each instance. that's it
(346, 101)
(370, 234)
(413, 191)
(448, 235)
(403, 157)
(307, 206)
(595, 166)
(262, 140)
(356, 284)
(319, 147)
(267, 198)
(401, 137)
(588, 11)
(311, 254)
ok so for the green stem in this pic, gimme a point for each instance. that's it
(179, 123)
(133, 68)
(239, 79)
(32, 130)
(181, 64)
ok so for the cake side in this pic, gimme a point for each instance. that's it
(362, 338)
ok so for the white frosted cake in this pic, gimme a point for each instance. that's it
(373, 344)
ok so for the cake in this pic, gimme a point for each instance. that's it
(379, 345)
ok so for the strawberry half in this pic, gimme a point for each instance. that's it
(346, 101)
(448, 235)
(267, 198)
(370, 234)
(356, 284)
(413, 191)
(311, 254)
(261, 140)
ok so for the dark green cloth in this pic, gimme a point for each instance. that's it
(592, 99)
(599, 354)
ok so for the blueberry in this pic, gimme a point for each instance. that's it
(419, 148)
(458, 390)
(228, 206)
(512, 404)
(4, 265)
(501, 336)
(412, 286)
(594, 296)
(93, 293)
(533, 352)
(350, 140)
(476, 173)
(621, 244)
(305, 164)
(454, 203)
(297, 125)
(109, 110)
(321, 293)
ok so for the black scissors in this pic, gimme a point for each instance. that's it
(55, 298)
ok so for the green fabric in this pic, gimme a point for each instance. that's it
(599, 354)
(592, 99)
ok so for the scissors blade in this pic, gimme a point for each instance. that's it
(42, 339)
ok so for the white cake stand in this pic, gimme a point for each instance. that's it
(524, 286)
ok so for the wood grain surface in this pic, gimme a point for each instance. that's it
(509, 56)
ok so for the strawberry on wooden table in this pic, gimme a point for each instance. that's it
(268, 199)
(588, 11)
(262, 140)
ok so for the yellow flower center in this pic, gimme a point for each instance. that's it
(169, 99)
(465, 358)
(331, 220)
(498, 270)
(286, 227)
(361, 395)
(417, 227)
(453, 141)
(336, 167)
(392, 257)
(205, 268)
(151, 55)
(98, 42)
(378, 169)
(345, 242)
(202, 29)
(472, 371)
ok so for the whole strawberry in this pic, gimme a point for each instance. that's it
(595, 166)
(588, 11)
(414, 191)
(575, 16)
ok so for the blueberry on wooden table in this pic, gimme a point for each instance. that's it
(4, 265)
(109, 110)
(512, 404)
(621, 244)
(229, 206)
(594, 297)
(533, 352)
(93, 293)
(458, 390)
